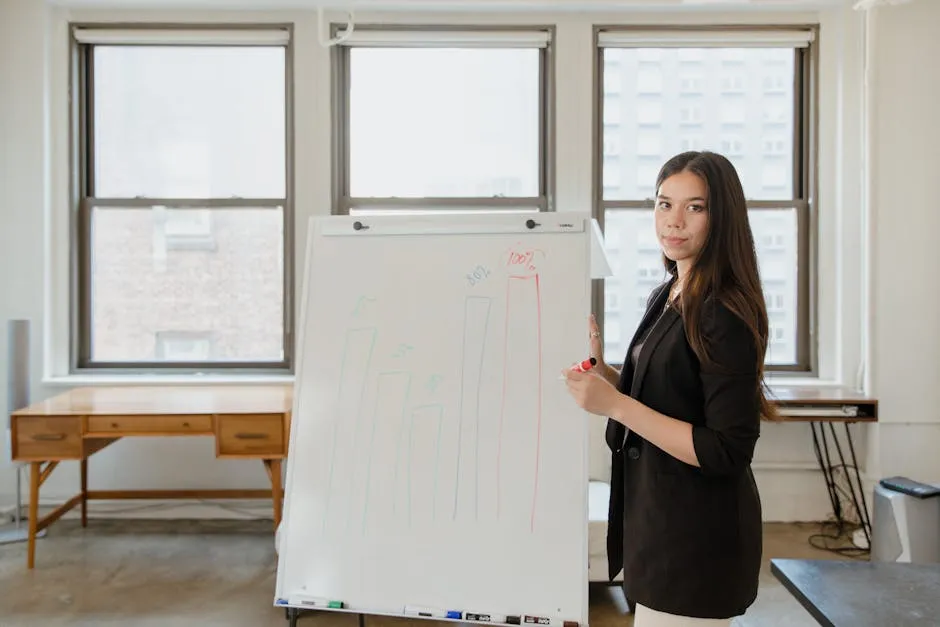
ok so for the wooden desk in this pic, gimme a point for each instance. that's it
(251, 422)
(826, 407)
(863, 594)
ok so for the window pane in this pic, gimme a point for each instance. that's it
(189, 122)
(444, 123)
(187, 285)
(775, 236)
(631, 245)
(730, 101)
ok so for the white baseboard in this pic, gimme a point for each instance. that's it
(790, 492)
(234, 509)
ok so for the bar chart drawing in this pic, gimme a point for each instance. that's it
(381, 445)
(476, 323)
(521, 390)
(424, 460)
(358, 347)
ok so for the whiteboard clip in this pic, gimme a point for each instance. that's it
(531, 223)
(359, 226)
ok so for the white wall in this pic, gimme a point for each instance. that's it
(791, 489)
(905, 222)
(23, 182)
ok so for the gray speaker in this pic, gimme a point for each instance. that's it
(17, 398)
(905, 528)
(17, 366)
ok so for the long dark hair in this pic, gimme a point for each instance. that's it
(726, 268)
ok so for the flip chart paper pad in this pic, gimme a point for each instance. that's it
(436, 460)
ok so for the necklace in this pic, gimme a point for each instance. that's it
(674, 292)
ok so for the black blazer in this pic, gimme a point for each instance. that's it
(687, 538)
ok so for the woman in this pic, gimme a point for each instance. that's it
(684, 414)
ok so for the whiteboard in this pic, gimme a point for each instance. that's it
(436, 459)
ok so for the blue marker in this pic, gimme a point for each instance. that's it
(454, 614)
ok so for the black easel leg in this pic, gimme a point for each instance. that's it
(362, 620)
(293, 612)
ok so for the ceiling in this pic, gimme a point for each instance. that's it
(463, 5)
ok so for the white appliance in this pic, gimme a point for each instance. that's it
(905, 528)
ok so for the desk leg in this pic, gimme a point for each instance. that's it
(856, 489)
(35, 470)
(83, 466)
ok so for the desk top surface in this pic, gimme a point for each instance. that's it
(821, 395)
(276, 398)
(863, 594)
(158, 400)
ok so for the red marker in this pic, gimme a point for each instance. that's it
(585, 365)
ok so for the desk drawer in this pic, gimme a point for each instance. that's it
(47, 437)
(250, 435)
(172, 424)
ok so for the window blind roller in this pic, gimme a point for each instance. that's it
(782, 38)
(417, 38)
(183, 36)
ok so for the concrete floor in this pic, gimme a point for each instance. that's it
(172, 573)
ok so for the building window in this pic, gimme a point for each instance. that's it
(439, 121)
(184, 346)
(730, 68)
(184, 205)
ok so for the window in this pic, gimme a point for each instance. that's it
(732, 147)
(691, 142)
(442, 121)
(763, 130)
(184, 199)
(690, 114)
(192, 346)
(649, 80)
(691, 84)
(612, 144)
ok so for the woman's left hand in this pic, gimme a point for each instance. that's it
(591, 392)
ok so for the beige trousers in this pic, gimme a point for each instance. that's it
(645, 617)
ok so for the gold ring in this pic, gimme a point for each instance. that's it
(595, 333)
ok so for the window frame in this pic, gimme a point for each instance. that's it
(804, 168)
(82, 201)
(411, 35)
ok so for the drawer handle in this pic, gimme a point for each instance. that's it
(251, 436)
(49, 437)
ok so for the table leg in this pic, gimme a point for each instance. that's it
(821, 448)
(858, 501)
(83, 467)
(35, 469)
